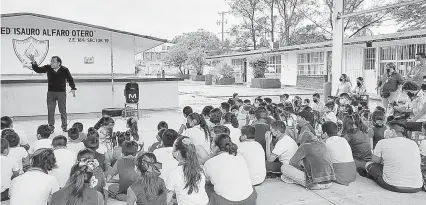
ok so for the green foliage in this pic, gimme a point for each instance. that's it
(196, 57)
(226, 71)
(177, 56)
(411, 17)
(259, 66)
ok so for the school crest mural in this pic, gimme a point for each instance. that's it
(28, 47)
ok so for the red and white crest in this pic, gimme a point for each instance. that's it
(31, 47)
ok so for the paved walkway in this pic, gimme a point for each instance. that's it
(272, 191)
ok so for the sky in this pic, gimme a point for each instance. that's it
(159, 18)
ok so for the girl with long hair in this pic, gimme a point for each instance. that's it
(232, 185)
(150, 189)
(198, 131)
(80, 188)
(187, 181)
(231, 122)
(356, 133)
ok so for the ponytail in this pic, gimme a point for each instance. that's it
(191, 167)
(80, 177)
(224, 143)
(150, 170)
(202, 122)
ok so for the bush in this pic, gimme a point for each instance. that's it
(226, 71)
(259, 66)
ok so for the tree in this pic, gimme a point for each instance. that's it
(193, 47)
(248, 9)
(243, 34)
(197, 58)
(291, 16)
(411, 17)
(320, 13)
(177, 56)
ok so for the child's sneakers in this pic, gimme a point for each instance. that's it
(287, 180)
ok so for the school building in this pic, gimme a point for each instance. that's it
(102, 60)
(309, 65)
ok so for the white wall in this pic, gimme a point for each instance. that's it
(289, 69)
(72, 53)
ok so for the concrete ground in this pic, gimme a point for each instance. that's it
(272, 191)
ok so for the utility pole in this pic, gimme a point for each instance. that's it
(223, 23)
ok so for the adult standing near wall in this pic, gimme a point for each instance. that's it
(389, 85)
(417, 73)
(56, 76)
(344, 85)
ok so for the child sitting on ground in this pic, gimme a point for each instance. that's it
(88, 156)
(253, 153)
(149, 188)
(132, 126)
(7, 124)
(92, 142)
(105, 131)
(187, 110)
(377, 132)
(16, 152)
(329, 114)
(116, 153)
(43, 141)
(164, 154)
(161, 127)
(82, 135)
(74, 144)
(126, 169)
(65, 159)
(9, 170)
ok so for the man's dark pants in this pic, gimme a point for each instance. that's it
(61, 98)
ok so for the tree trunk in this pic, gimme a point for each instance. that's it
(180, 69)
(253, 33)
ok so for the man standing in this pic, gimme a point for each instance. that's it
(56, 76)
(417, 73)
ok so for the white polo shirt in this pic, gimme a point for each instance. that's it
(254, 155)
(41, 143)
(198, 137)
(8, 166)
(33, 187)
(65, 159)
(75, 146)
(23, 139)
(230, 176)
(176, 182)
(339, 149)
(169, 163)
(18, 153)
(285, 149)
(234, 134)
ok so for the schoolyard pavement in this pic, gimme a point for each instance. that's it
(272, 192)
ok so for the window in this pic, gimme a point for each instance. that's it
(403, 56)
(215, 62)
(238, 62)
(275, 62)
(311, 63)
(370, 58)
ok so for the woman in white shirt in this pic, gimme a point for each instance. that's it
(187, 181)
(229, 174)
(35, 186)
(231, 121)
(199, 133)
(344, 85)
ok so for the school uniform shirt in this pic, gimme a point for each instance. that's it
(41, 143)
(164, 155)
(127, 173)
(102, 149)
(230, 176)
(254, 155)
(176, 182)
(75, 146)
(360, 145)
(90, 197)
(401, 162)
(234, 134)
(33, 187)
(8, 166)
(18, 153)
(285, 149)
(65, 159)
(138, 193)
(23, 139)
(318, 106)
(198, 137)
(343, 161)
(417, 104)
(242, 118)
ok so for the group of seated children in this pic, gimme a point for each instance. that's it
(217, 156)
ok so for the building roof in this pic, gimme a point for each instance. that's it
(353, 41)
(83, 24)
